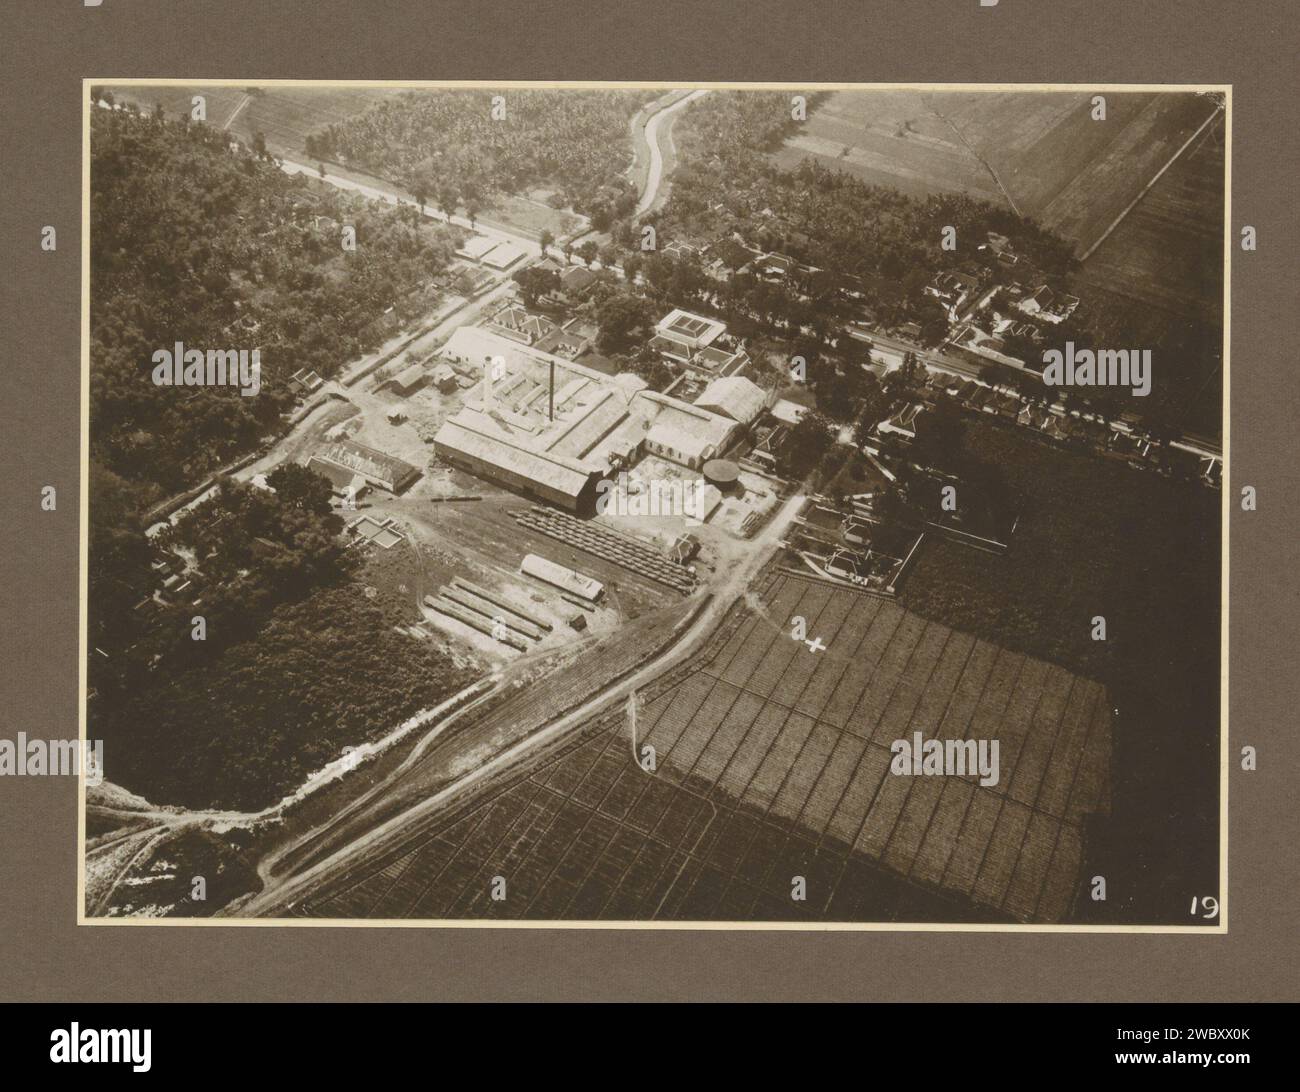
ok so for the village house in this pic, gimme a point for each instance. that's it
(1048, 305)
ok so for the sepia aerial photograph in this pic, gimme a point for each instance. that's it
(636, 505)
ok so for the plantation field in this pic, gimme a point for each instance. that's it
(772, 763)
(285, 115)
(1168, 252)
(1040, 151)
(1096, 537)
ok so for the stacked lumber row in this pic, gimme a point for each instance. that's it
(475, 620)
(607, 544)
(490, 612)
(502, 602)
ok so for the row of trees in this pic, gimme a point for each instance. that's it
(462, 148)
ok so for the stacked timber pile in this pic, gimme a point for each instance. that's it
(607, 544)
(486, 612)
(502, 602)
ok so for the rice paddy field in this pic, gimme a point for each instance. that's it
(772, 762)
(1167, 254)
(1160, 274)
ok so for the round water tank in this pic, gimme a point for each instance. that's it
(722, 473)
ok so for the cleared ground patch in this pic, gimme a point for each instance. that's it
(772, 763)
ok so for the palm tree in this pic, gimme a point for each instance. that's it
(447, 200)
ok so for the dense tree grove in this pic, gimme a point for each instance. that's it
(810, 442)
(294, 661)
(245, 728)
(216, 248)
(251, 549)
(452, 149)
(625, 320)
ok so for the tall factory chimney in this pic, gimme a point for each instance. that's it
(488, 368)
(552, 396)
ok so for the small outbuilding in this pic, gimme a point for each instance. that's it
(409, 380)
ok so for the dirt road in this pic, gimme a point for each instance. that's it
(659, 137)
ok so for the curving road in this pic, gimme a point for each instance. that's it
(659, 140)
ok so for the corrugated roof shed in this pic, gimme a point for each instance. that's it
(409, 378)
(590, 428)
(374, 466)
(560, 475)
(561, 576)
(682, 432)
(734, 396)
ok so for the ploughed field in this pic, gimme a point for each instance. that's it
(1057, 164)
(1168, 252)
(773, 762)
(284, 115)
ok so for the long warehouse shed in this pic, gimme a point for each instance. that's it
(561, 577)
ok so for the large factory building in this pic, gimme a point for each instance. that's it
(552, 429)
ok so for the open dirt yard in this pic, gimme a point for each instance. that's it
(773, 762)
(479, 541)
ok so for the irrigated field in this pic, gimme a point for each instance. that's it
(773, 763)
(1040, 151)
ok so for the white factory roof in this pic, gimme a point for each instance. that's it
(567, 476)
(695, 330)
(734, 396)
(691, 430)
(502, 256)
(475, 247)
(561, 576)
